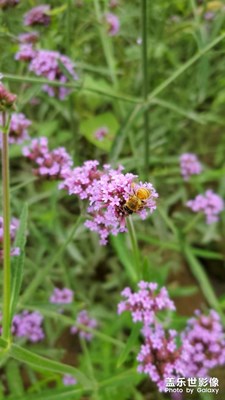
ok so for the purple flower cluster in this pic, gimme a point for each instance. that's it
(28, 325)
(101, 133)
(61, 296)
(28, 37)
(51, 164)
(25, 53)
(113, 24)
(80, 180)
(146, 302)
(47, 64)
(107, 191)
(38, 16)
(18, 129)
(69, 380)
(205, 347)
(202, 343)
(7, 99)
(210, 203)
(84, 319)
(158, 357)
(14, 225)
(189, 165)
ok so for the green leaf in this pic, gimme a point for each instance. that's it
(89, 127)
(202, 278)
(59, 394)
(14, 379)
(3, 343)
(43, 364)
(18, 261)
(57, 10)
(129, 345)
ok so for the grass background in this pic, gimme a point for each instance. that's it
(182, 96)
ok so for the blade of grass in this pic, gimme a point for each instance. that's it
(44, 364)
(129, 345)
(18, 261)
(52, 394)
(202, 278)
(184, 68)
(70, 85)
(176, 247)
(67, 321)
(146, 141)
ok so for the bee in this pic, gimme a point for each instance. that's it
(137, 201)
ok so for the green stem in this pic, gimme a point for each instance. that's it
(145, 84)
(73, 120)
(6, 233)
(134, 243)
(75, 86)
(192, 223)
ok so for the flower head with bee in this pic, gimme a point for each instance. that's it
(112, 196)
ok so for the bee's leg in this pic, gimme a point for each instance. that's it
(128, 210)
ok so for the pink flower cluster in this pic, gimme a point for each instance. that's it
(25, 52)
(210, 203)
(69, 380)
(101, 133)
(107, 191)
(38, 16)
(50, 164)
(14, 225)
(83, 318)
(18, 129)
(205, 347)
(146, 302)
(158, 356)
(189, 165)
(202, 343)
(7, 99)
(29, 325)
(61, 296)
(47, 64)
(113, 24)
(28, 37)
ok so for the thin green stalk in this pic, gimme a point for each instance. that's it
(192, 223)
(134, 244)
(90, 369)
(73, 120)
(6, 233)
(145, 84)
(75, 86)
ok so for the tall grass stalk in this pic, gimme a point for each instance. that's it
(6, 233)
(144, 20)
(135, 249)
